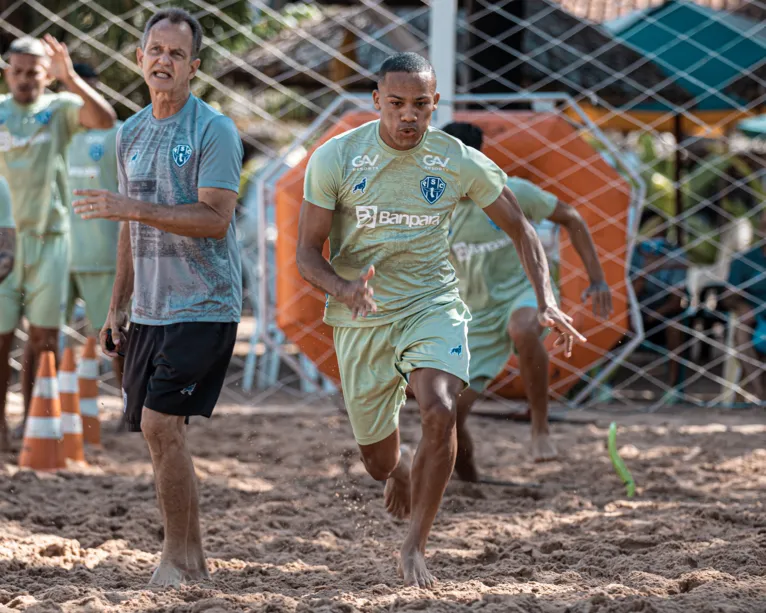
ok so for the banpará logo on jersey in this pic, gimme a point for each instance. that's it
(365, 162)
(360, 187)
(370, 217)
(96, 151)
(465, 251)
(44, 117)
(434, 162)
(182, 154)
(432, 188)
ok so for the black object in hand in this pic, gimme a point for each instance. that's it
(110, 346)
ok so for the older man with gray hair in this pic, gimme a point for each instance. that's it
(35, 131)
(179, 164)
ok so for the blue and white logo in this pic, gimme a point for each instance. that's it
(181, 154)
(96, 151)
(360, 187)
(188, 391)
(44, 117)
(432, 188)
(458, 351)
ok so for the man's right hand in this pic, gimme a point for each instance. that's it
(117, 321)
(357, 295)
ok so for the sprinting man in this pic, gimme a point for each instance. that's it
(383, 194)
(504, 304)
(7, 231)
(179, 164)
(93, 165)
(35, 131)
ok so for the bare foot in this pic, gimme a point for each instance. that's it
(465, 468)
(543, 449)
(412, 569)
(167, 575)
(397, 495)
(170, 575)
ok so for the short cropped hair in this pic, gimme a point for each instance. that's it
(469, 134)
(175, 16)
(405, 62)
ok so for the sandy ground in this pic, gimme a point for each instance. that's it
(292, 523)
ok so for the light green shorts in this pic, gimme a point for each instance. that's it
(95, 289)
(375, 364)
(37, 287)
(491, 345)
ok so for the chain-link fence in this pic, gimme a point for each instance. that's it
(641, 114)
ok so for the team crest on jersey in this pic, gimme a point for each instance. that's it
(360, 187)
(44, 117)
(181, 154)
(432, 188)
(96, 151)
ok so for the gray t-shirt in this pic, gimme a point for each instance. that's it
(165, 161)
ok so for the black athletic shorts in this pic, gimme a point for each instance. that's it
(176, 369)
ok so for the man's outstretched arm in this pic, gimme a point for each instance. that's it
(313, 230)
(568, 217)
(507, 214)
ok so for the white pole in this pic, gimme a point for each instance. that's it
(442, 43)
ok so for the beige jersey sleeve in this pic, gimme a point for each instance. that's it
(536, 203)
(481, 179)
(324, 174)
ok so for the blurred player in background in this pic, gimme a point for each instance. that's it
(7, 231)
(503, 302)
(35, 131)
(179, 164)
(93, 165)
(384, 194)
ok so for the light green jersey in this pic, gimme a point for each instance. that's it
(392, 210)
(489, 268)
(93, 165)
(33, 144)
(6, 210)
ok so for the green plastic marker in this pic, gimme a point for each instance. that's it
(619, 465)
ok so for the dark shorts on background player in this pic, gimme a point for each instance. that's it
(178, 369)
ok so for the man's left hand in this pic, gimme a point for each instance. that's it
(61, 67)
(103, 204)
(553, 317)
(601, 297)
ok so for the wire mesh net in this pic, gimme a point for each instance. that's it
(655, 92)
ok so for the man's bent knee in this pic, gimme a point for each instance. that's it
(525, 329)
(380, 467)
(160, 430)
(439, 417)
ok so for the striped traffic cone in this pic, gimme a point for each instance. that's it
(71, 421)
(42, 448)
(87, 374)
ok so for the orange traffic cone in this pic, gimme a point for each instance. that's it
(88, 383)
(42, 448)
(71, 421)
